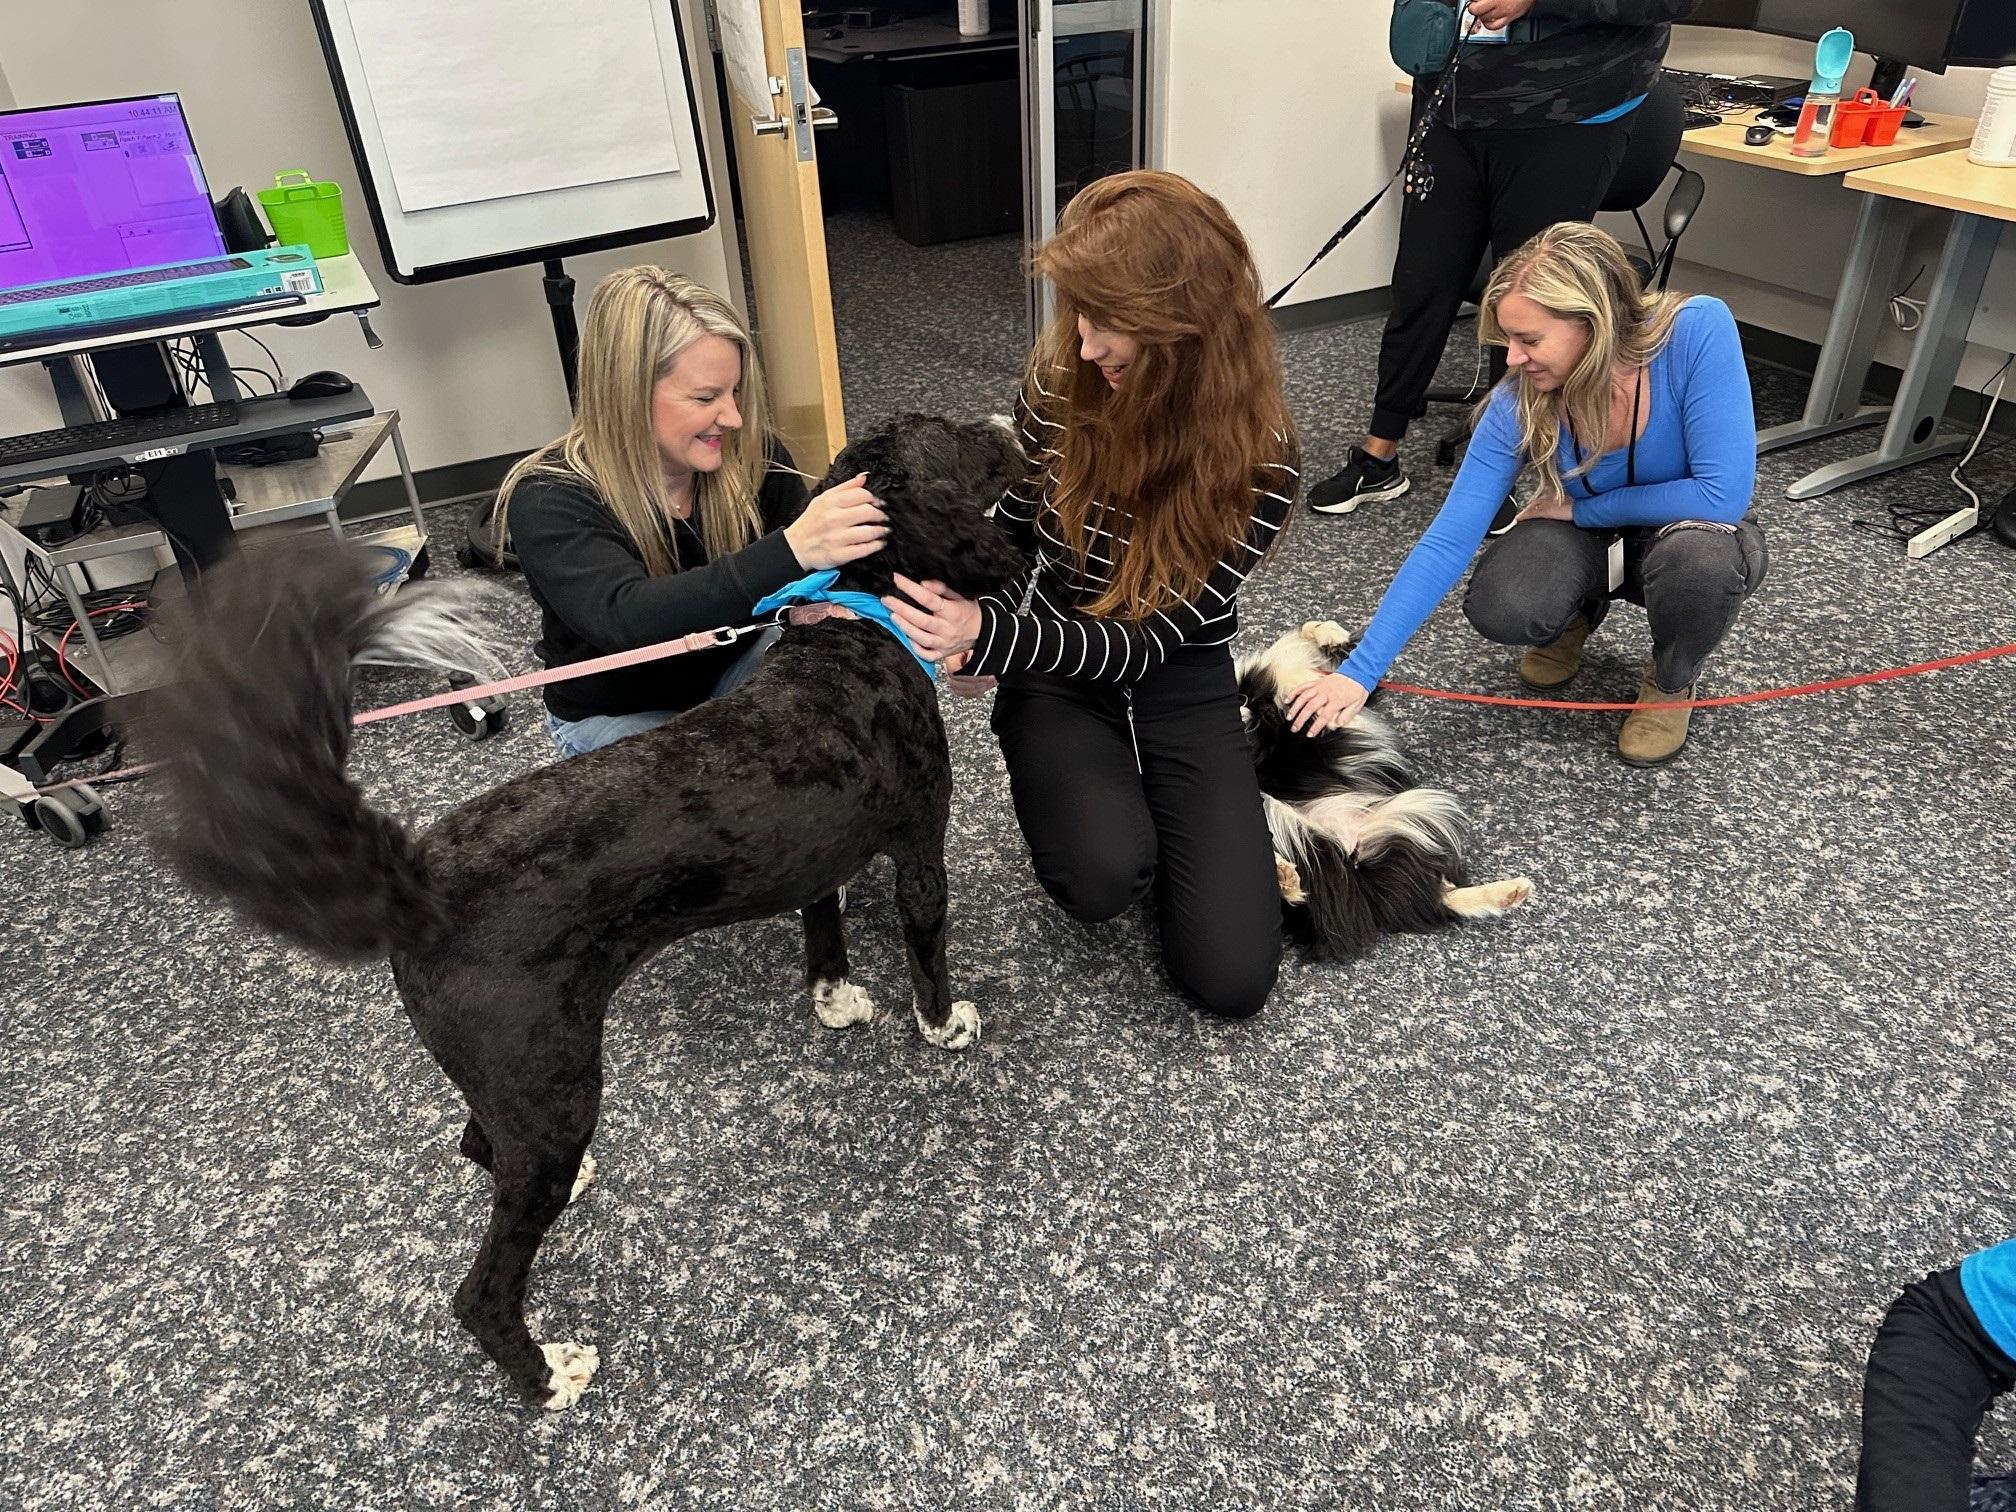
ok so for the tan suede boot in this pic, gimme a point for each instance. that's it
(1545, 668)
(1653, 737)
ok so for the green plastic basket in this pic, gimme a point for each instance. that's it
(306, 212)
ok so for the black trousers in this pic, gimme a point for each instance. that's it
(1692, 577)
(1932, 1374)
(1497, 187)
(1183, 818)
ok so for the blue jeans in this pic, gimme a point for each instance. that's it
(577, 737)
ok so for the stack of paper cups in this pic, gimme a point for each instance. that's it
(972, 18)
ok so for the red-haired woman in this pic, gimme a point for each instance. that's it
(1163, 470)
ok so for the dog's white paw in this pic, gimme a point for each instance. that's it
(1289, 881)
(1489, 900)
(573, 1368)
(841, 1004)
(1331, 638)
(959, 1030)
(583, 1178)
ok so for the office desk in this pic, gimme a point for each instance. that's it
(1982, 201)
(346, 289)
(900, 39)
(1940, 133)
(1868, 276)
(292, 492)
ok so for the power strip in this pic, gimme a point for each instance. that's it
(1932, 537)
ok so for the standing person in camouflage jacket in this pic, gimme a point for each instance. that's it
(1528, 134)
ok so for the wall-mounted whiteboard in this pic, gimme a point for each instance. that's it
(513, 131)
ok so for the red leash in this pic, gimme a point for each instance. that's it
(705, 638)
(1763, 695)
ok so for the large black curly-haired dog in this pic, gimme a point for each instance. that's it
(513, 920)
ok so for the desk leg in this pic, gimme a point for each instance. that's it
(406, 478)
(185, 501)
(1913, 432)
(101, 670)
(1834, 402)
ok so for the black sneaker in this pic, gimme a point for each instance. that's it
(1507, 513)
(1362, 479)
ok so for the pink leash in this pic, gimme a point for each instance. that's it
(699, 640)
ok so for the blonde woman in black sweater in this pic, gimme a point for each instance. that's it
(669, 507)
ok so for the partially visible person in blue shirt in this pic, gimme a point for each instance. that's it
(1945, 1351)
(1633, 409)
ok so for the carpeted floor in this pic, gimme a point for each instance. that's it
(1592, 1208)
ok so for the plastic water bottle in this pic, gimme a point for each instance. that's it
(1816, 117)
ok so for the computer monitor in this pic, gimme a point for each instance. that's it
(1933, 35)
(1736, 15)
(87, 190)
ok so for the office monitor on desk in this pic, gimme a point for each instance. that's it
(101, 188)
(1902, 35)
(1734, 15)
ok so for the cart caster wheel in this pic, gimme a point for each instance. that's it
(482, 719)
(69, 818)
(419, 565)
(466, 555)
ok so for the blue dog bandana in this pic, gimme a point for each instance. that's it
(817, 588)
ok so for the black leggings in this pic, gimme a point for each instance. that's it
(1495, 187)
(1932, 1374)
(1692, 577)
(1184, 819)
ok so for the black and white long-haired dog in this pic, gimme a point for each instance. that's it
(512, 921)
(1360, 849)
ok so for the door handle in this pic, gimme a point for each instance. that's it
(823, 119)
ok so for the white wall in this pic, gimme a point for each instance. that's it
(1285, 109)
(470, 364)
(1295, 122)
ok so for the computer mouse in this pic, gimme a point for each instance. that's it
(324, 384)
(834, 34)
(1758, 136)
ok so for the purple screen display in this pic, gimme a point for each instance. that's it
(92, 189)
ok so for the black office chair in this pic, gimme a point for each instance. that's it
(1655, 142)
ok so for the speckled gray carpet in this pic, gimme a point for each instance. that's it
(1592, 1208)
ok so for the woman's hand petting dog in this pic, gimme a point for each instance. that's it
(842, 525)
(1328, 703)
(938, 621)
(966, 687)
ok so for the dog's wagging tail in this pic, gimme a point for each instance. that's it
(513, 920)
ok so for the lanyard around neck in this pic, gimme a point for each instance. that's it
(1642, 381)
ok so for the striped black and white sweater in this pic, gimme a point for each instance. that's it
(1052, 634)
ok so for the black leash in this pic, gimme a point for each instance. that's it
(1418, 185)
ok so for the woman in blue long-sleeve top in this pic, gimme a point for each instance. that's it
(1945, 1352)
(1634, 411)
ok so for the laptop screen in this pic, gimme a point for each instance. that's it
(87, 190)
